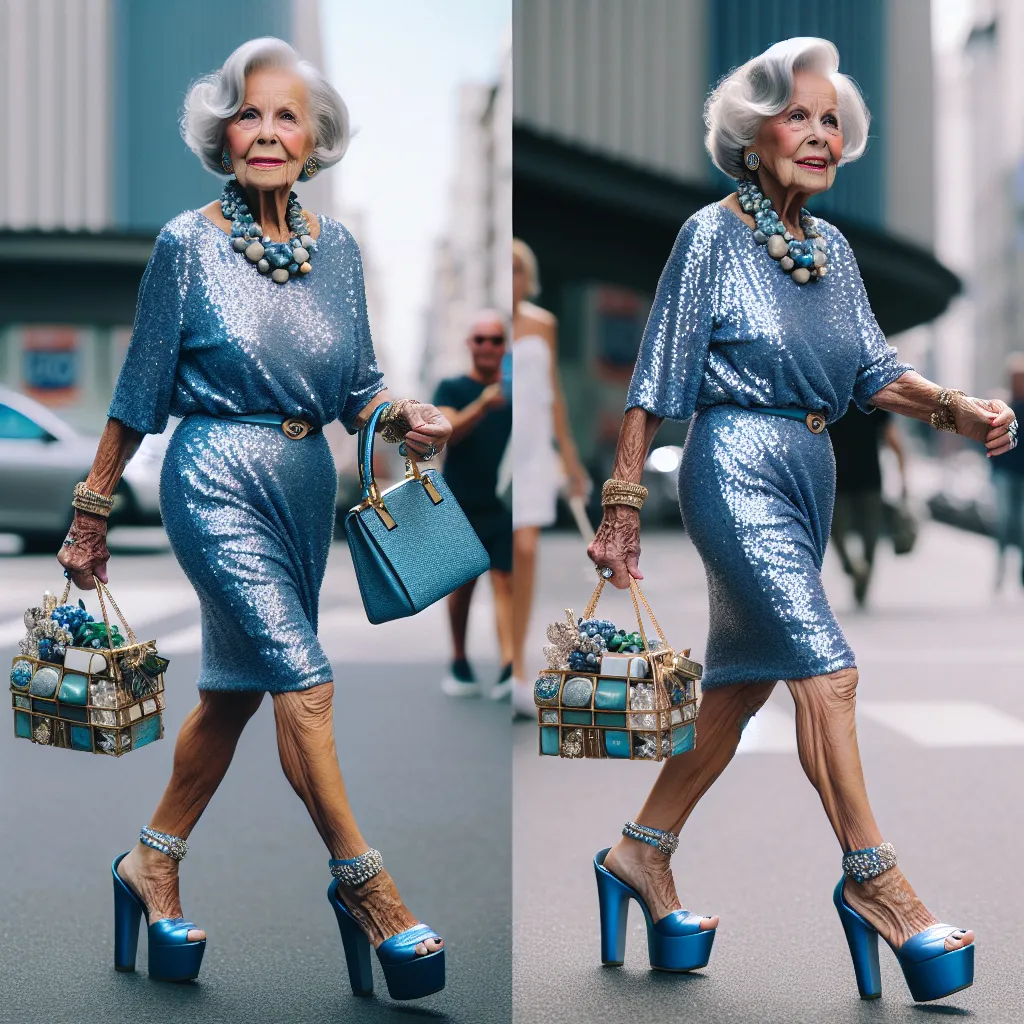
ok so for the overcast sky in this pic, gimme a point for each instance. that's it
(398, 64)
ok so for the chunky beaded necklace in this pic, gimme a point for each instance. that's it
(803, 261)
(281, 260)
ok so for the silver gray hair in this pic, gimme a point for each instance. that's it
(214, 99)
(763, 87)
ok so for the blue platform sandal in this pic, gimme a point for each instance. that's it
(931, 970)
(408, 975)
(674, 943)
(171, 956)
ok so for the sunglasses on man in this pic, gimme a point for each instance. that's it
(494, 339)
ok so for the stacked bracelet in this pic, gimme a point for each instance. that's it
(86, 500)
(622, 492)
(393, 425)
(943, 418)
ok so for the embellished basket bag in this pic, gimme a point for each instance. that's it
(608, 694)
(81, 685)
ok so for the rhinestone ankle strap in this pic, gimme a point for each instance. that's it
(861, 865)
(667, 842)
(173, 846)
(359, 869)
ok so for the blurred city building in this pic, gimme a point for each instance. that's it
(96, 88)
(609, 162)
(472, 261)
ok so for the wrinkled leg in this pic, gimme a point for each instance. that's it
(826, 733)
(684, 779)
(305, 740)
(205, 746)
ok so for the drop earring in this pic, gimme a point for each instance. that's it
(753, 161)
(225, 162)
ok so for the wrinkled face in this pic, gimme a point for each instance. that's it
(802, 146)
(486, 343)
(271, 136)
(521, 283)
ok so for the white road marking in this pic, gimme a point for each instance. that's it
(770, 731)
(946, 723)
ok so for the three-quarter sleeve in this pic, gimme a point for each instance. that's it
(879, 362)
(145, 385)
(674, 348)
(365, 378)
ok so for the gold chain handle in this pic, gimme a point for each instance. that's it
(634, 593)
(101, 589)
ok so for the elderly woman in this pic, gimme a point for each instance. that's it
(762, 333)
(252, 327)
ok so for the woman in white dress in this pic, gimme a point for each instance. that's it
(539, 422)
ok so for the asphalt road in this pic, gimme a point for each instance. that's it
(941, 724)
(429, 779)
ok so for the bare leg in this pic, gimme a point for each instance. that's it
(501, 582)
(202, 754)
(524, 560)
(305, 740)
(684, 779)
(826, 734)
(458, 617)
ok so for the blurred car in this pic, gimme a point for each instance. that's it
(42, 458)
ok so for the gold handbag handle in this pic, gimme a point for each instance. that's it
(634, 592)
(101, 589)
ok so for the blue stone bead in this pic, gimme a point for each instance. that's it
(760, 237)
(545, 690)
(293, 268)
(577, 692)
(802, 259)
(44, 682)
(21, 674)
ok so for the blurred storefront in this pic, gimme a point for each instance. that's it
(609, 162)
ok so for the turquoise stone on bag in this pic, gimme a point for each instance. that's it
(545, 690)
(44, 707)
(81, 738)
(44, 682)
(22, 725)
(577, 718)
(145, 731)
(617, 744)
(21, 674)
(577, 692)
(549, 740)
(74, 689)
(682, 738)
(611, 695)
(605, 719)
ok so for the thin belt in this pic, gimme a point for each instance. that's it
(814, 421)
(291, 427)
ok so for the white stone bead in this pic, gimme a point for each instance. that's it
(280, 275)
(801, 275)
(299, 255)
(306, 241)
(819, 258)
(777, 247)
(263, 266)
(786, 263)
(239, 244)
(254, 253)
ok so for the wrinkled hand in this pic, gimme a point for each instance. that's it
(425, 427)
(985, 420)
(617, 544)
(87, 556)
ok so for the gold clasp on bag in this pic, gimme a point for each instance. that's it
(376, 502)
(412, 471)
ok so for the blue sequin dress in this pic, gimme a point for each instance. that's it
(249, 511)
(729, 332)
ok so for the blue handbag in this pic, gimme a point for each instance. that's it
(411, 543)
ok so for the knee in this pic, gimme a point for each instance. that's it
(524, 542)
(228, 710)
(301, 713)
(833, 693)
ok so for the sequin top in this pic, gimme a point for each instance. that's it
(212, 335)
(728, 326)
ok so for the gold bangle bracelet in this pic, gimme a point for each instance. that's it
(393, 425)
(943, 418)
(88, 500)
(623, 492)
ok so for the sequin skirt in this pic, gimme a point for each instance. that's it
(756, 493)
(250, 516)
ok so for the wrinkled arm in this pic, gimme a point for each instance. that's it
(617, 543)
(86, 556)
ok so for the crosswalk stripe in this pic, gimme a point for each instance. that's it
(946, 723)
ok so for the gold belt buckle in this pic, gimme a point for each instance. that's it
(295, 429)
(815, 422)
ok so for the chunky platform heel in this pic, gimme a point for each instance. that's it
(931, 971)
(407, 975)
(171, 956)
(675, 943)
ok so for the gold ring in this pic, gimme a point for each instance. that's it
(295, 429)
(815, 422)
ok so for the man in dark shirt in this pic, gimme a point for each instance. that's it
(859, 507)
(1008, 479)
(481, 421)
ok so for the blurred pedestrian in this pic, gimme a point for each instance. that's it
(1008, 480)
(540, 422)
(762, 332)
(251, 326)
(481, 420)
(860, 507)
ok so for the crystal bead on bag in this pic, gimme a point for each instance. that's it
(611, 694)
(80, 684)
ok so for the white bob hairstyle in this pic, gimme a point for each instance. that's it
(214, 99)
(763, 87)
